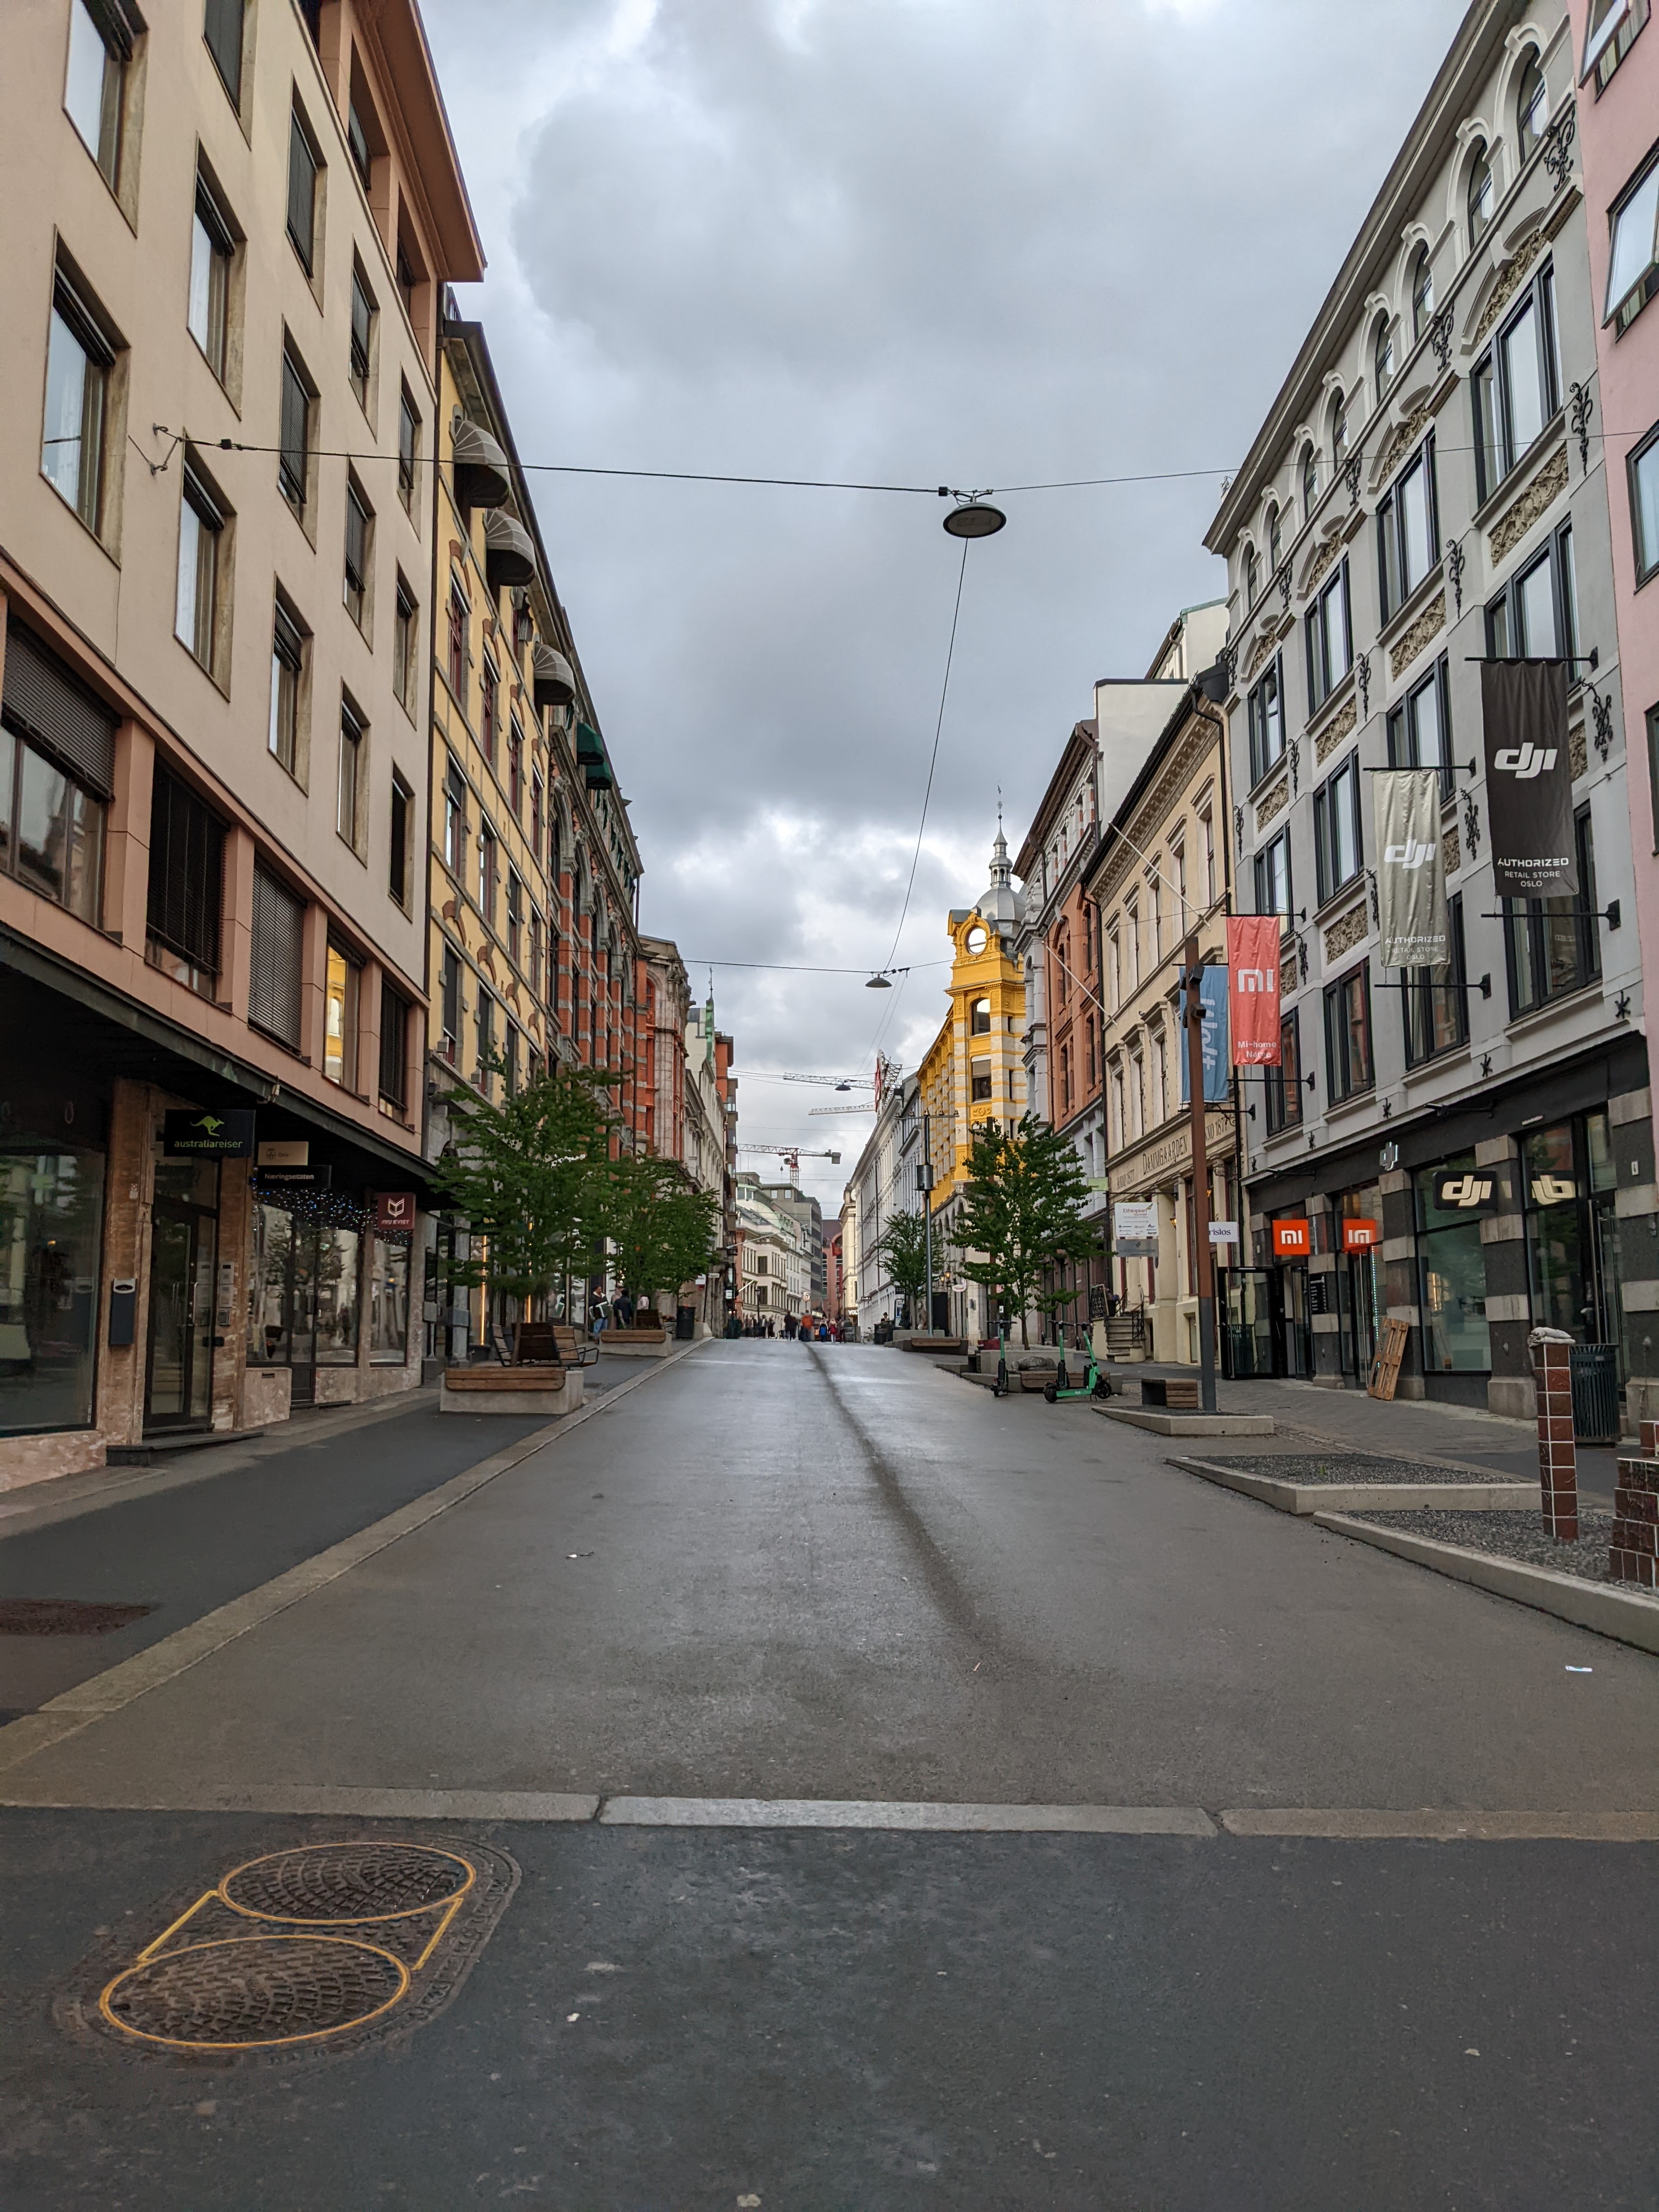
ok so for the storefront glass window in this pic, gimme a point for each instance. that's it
(388, 1301)
(268, 1333)
(1451, 1279)
(336, 1296)
(1572, 1235)
(52, 1212)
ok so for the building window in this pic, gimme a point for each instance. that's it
(1337, 842)
(514, 918)
(1251, 576)
(488, 851)
(394, 1047)
(94, 87)
(1409, 529)
(1644, 504)
(363, 313)
(1348, 1033)
(488, 688)
(79, 358)
(535, 819)
(1614, 25)
(287, 647)
(1382, 358)
(212, 248)
(403, 825)
(515, 767)
(1653, 771)
(1531, 107)
(52, 822)
(1633, 259)
(1422, 295)
(347, 818)
(1206, 830)
(1434, 1005)
(510, 1060)
(486, 1040)
(304, 167)
(449, 1010)
(1554, 945)
(1284, 1083)
(276, 948)
(1516, 387)
(201, 546)
(294, 458)
(458, 652)
(1266, 708)
(405, 648)
(1482, 195)
(455, 822)
(1088, 1060)
(1272, 877)
(359, 549)
(1534, 617)
(1330, 639)
(979, 1018)
(186, 885)
(388, 1299)
(1275, 538)
(1310, 484)
(221, 27)
(357, 140)
(409, 448)
(1419, 727)
(535, 954)
(343, 990)
(1339, 430)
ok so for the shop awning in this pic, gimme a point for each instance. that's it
(509, 549)
(555, 679)
(483, 475)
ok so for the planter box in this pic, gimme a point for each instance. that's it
(541, 1392)
(634, 1343)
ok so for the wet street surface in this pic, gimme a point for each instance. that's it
(524, 1946)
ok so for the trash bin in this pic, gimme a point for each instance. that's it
(685, 1323)
(1596, 1392)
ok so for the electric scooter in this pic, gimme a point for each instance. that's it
(1095, 1382)
(1000, 1388)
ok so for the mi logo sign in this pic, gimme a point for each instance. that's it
(1525, 762)
(1253, 979)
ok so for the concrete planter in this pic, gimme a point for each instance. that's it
(635, 1343)
(544, 1393)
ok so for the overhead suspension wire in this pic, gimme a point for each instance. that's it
(797, 968)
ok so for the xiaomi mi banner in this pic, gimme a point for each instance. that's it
(1253, 988)
(1411, 878)
(1523, 704)
(1213, 1038)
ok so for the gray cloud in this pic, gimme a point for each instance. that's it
(927, 242)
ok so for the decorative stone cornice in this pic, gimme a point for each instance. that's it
(1273, 804)
(1508, 284)
(1404, 437)
(1540, 494)
(1264, 653)
(1578, 752)
(1287, 975)
(1451, 851)
(1345, 932)
(1322, 561)
(1428, 624)
(1340, 727)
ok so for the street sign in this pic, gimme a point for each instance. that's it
(186, 1134)
(1224, 1232)
(1292, 1240)
(277, 1180)
(283, 1152)
(1135, 1229)
(394, 1210)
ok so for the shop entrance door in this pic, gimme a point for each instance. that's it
(1292, 1328)
(1247, 1335)
(178, 1381)
(1356, 1295)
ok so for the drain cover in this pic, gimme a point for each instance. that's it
(64, 1616)
(318, 1947)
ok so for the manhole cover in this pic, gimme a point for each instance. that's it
(64, 1616)
(255, 1990)
(325, 1883)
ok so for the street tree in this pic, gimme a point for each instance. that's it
(904, 1245)
(1022, 1213)
(663, 1233)
(530, 1173)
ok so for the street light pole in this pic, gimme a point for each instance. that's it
(1202, 1272)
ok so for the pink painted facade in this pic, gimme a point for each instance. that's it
(1617, 118)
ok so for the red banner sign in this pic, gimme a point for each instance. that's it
(1292, 1240)
(394, 1209)
(1360, 1236)
(1253, 989)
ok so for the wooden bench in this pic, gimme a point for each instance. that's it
(1176, 1393)
(569, 1348)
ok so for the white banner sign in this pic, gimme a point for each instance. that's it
(1224, 1232)
(1135, 1229)
(1411, 880)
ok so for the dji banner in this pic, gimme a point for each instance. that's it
(1529, 778)
(1411, 880)
(1253, 988)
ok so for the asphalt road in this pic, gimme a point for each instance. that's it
(838, 1574)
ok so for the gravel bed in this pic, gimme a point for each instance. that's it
(1511, 1536)
(1349, 1467)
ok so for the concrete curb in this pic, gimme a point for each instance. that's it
(1597, 1606)
(100, 1695)
(1362, 1824)
(1192, 1425)
(1313, 1497)
(934, 1819)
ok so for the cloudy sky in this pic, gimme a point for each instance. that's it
(973, 242)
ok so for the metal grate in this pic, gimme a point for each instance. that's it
(255, 1990)
(325, 1883)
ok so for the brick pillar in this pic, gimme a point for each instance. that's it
(1557, 1460)
(1633, 1556)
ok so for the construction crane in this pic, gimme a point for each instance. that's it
(793, 1153)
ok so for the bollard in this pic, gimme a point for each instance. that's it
(1557, 1458)
(1633, 1554)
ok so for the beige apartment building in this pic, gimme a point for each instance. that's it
(227, 230)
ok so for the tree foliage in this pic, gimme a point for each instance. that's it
(665, 1233)
(531, 1174)
(1022, 1213)
(904, 1245)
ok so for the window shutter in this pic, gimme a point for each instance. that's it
(274, 983)
(301, 191)
(44, 703)
(186, 872)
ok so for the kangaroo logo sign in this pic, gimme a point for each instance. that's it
(1524, 705)
(188, 1134)
(1411, 882)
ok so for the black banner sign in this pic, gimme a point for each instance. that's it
(186, 1134)
(1467, 1190)
(1524, 705)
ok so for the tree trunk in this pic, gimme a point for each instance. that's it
(1025, 1327)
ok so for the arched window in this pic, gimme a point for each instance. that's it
(1275, 539)
(1339, 430)
(1422, 294)
(1384, 357)
(979, 1024)
(1482, 194)
(1310, 481)
(1531, 106)
(1250, 575)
